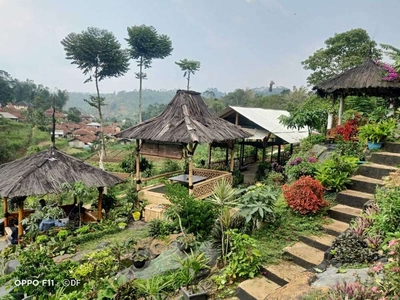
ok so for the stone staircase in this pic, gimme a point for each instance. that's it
(310, 251)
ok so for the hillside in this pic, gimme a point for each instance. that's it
(125, 104)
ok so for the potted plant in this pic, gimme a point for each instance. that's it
(185, 242)
(190, 269)
(139, 260)
(376, 133)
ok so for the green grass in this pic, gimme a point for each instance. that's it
(286, 230)
(136, 234)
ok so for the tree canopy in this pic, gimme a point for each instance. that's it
(98, 54)
(343, 51)
(188, 67)
(146, 44)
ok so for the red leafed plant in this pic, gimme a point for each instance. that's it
(349, 130)
(305, 195)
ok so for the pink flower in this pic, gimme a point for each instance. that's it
(378, 267)
(391, 253)
(396, 269)
(374, 289)
(288, 240)
(392, 242)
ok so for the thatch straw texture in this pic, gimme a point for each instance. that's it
(365, 79)
(186, 119)
(44, 172)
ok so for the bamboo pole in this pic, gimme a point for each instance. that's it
(20, 217)
(5, 209)
(138, 165)
(232, 164)
(190, 168)
(209, 157)
(100, 203)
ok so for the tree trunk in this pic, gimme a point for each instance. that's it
(188, 80)
(103, 146)
(140, 88)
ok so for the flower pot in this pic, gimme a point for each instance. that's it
(136, 215)
(139, 264)
(374, 146)
(198, 296)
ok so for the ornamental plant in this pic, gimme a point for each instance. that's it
(301, 165)
(305, 195)
(389, 71)
(348, 131)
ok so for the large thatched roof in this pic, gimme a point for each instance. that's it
(365, 79)
(44, 172)
(186, 119)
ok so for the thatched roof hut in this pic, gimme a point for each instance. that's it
(44, 172)
(365, 79)
(184, 123)
(186, 119)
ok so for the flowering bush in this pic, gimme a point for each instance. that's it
(388, 287)
(305, 195)
(390, 72)
(301, 165)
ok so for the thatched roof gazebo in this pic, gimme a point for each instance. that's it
(184, 123)
(365, 79)
(44, 173)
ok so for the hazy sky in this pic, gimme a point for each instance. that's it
(240, 43)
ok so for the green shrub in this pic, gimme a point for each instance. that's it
(350, 248)
(334, 173)
(160, 228)
(257, 204)
(62, 234)
(388, 218)
(170, 165)
(41, 239)
(262, 169)
(238, 177)
(244, 258)
(197, 216)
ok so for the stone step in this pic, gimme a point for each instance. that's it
(344, 213)
(375, 170)
(386, 158)
(365, 184)
(335, 228)
(283, 272)
(391, 147)
(256, 288)
(322, 242)
(353, 198)
(304, 255)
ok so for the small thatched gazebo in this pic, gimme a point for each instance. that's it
(365, 79)
(184, 123)
(43, 173)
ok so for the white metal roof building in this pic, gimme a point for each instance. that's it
(261, 122)
(7, 115)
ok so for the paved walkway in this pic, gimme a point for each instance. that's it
(250, 173)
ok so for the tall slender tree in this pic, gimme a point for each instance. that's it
(145, 45)
(393, 53)
(99, 55)
(188, 67)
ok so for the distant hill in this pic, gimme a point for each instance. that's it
(125, 104)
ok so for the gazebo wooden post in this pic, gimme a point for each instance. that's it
(226, 157)
(5, 209)
(341, 107)
(209, 157)
(190, 168)
(100, 203)
(279, 154)
(20, 215)
(138, 181)
(232, 162)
